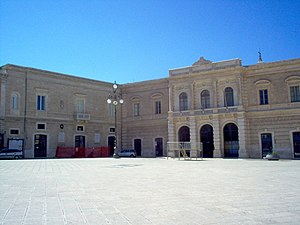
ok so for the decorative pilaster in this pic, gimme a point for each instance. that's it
(193, 136)
(171, 135)
(171, 107)
(3, 77)
(217, 137)
(242, 135)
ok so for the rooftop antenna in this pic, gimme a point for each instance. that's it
(259, 57)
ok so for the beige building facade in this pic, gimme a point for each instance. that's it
(223, 108)
(45, 110)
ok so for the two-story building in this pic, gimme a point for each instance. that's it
(44, 110)
(224, 108)
(236, 111)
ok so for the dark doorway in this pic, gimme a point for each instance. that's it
(231, 141)
(40, 145)
(1, 141)
(80, 146)
(138, 146)
(80, 141)
(111, 144)
(184, 134)
(296, 144)
(266, 144)
(159, 147)
(207, 139)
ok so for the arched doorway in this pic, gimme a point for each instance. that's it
(184, 136)
(231, 140)
(207, 139)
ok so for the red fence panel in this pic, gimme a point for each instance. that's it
(104, 152)
(65, 152)
(71, 152)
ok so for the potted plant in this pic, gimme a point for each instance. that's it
(273, 156)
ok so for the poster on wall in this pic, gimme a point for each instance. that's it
(15, 144)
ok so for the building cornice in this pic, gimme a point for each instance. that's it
(284, 66)
(51, 73)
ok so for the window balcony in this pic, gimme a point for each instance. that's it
(228, 109)
(83, 116)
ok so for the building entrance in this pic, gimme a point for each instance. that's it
(80, 141)
(159, 147)
(207, 139)
(266, 144)
(184, 136)
(111, 144)
(231, 140)
(296, 144)
(1, 141)
(138, 146)
(40, 145)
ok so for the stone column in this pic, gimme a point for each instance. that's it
(242, 135)
(217, 137)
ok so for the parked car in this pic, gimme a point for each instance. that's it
(7, 153)
(127, 153)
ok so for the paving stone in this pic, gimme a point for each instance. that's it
(149, 191)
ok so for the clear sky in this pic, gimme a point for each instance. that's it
(136, 40)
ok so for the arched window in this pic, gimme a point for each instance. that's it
(183, 101)
(205, 99)
(15, 101)
(228, 97)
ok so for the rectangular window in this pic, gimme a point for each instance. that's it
(136, 109)
(263, 97)
(295, 94)
(158, 107)
(80, 128)
(15, 102)
(40, 103)
(80, 106)
(14, 131)
(41, 126)
(111, 110)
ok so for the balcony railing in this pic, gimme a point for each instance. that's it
(83, 116)
(208, 111)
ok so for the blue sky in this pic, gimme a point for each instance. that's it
(136, 40)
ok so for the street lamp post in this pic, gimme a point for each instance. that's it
(115, 99)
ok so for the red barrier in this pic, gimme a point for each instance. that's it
(65, 152)
(104, 152)
(71, 152)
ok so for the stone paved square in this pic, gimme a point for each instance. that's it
(149, 191)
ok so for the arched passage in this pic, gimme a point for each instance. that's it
(184, 134)
(207, 139)
(231, 140)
